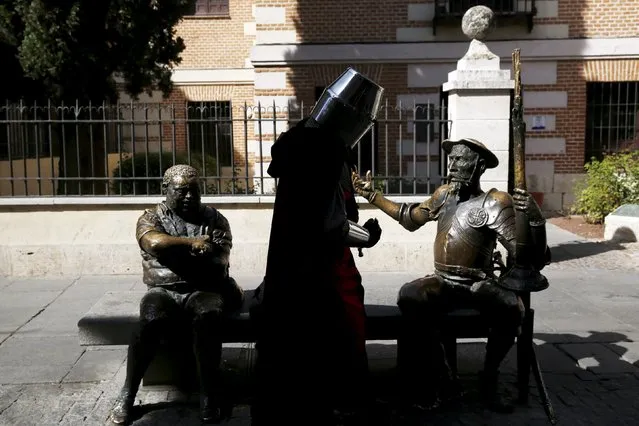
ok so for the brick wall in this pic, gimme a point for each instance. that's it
(330, 21)
(217, 42)
(570, 122)
(601, 18)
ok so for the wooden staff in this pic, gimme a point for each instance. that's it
(519, 128)
(523, 277)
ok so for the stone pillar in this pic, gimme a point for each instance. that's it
(479, 97)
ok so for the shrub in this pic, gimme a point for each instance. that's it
(148, 181)
(609, 183)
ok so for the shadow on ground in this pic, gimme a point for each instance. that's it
(580, 249)
(588, 376)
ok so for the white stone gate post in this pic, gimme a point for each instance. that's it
(479, 97)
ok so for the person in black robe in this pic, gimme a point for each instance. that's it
(311, 356)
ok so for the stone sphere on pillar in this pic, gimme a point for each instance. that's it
(478, 22)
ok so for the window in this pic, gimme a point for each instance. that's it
(210, 8)
(459, 7)
(611, 117)
(210, 131)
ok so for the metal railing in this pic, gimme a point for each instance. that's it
(124, 149)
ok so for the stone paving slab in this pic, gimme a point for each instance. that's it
(97, 364)
(598, 358)
(17, 308)
(629, 351)
(30, 284)
(37, 359)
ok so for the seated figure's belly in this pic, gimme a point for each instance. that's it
(468, 248)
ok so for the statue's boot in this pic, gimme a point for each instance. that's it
(207, 348)
(121, 412)
(210, 411)
(489, 393)
(139, 355)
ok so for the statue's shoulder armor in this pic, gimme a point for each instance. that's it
(498, 205)
(439, 197)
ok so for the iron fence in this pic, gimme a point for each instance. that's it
(124, 149)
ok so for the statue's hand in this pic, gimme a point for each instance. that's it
(201, 246)
(374, 230)
(526, 203)
(363, 187)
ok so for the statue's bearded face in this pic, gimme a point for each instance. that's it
(183, 194)
(463, 165)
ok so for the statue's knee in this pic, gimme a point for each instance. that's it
(205, 307)
(211, 317)
(407, 297)
(156, 306)
(416, 296)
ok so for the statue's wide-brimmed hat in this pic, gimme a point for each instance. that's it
(490, 158)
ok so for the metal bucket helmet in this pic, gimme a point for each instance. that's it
(349, 106)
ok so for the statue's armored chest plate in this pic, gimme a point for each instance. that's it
(471, 213)
(474, 216)
(475, 213)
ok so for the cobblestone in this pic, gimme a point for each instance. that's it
(603, 255)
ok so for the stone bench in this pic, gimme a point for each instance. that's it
(113, 319)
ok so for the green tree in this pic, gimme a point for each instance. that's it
(72, 51)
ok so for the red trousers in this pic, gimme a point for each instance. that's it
(351, 292)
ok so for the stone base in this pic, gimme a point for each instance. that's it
(623, 224)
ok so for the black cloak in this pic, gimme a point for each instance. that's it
(297, 315)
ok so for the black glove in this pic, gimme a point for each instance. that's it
(374, 231)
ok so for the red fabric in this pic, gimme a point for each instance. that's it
(351, 293)
(349, 287)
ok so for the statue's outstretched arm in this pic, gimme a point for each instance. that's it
(410, 216)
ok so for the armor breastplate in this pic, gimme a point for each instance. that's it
(464, 244)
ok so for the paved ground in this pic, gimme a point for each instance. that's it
(587, 331)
